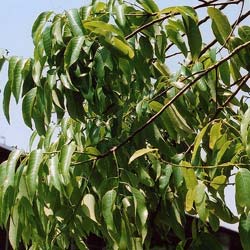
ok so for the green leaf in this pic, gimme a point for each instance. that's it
(102, 28)
(197, 142)
(15, 229)
(244, 230)
(120, 46)
(193, 35)
(72, 51)
(183, 10)
(178, 120)
(244, 126)
(35, 160)
(39, 24)
(27, 106)
(244, 33)
(242, 183)
(149, 5)
(175, 37)
(140, 153)
(225, 72)
(222, 28)
(54, 175)
(75, 22)
(65, 161)
(11, 169)
(215, 134)
(67, 82)
(108, 205)
(6, 100)
(222, 151)
(89, 202)
(120, 15)
(165, 177)
(141, 208)
(47, 41)
(200, 201)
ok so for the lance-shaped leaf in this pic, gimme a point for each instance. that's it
(197, 142)
(6, 100)
(242, 182)
(47, 41)
(193, 35)
(57, 31)
(39, 24)
(15, 229)
(108, 205)
(11, 168)
(149, 5)
(215, 134)
(17, 80)
(244, 230)
(178, 120)
(75, 22)
(99, 27)
(200, 201)
(65, 161)
(244, 33)
(27, 106)
(244, 126)
(175, 37)
(189, 176)
(220, 24)
(54, 176)
(225, 72)
(72, 51)
(121, 47)
(141, 209)
(140, 153)
(35, 161)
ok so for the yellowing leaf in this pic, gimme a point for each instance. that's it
(140, 153)
(218, 181)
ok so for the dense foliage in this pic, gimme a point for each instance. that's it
(123, 147)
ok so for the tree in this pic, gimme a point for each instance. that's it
(126, 147)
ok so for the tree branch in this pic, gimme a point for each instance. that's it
(182, 91)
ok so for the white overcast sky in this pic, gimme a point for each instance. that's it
(16, 19)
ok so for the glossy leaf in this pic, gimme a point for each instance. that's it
(73, 50)
(75, 22)
(6, 100)
(54, 175)
(39, 24)
(27, 106)
(35, 160)
(65, 161)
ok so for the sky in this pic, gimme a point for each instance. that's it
(16, 19)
